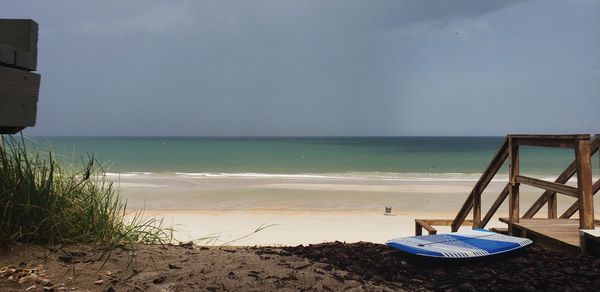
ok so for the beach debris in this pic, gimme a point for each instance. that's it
(388, 211)
(108, 277)
(172, 267)
(72, 257)
(301, 266)
(160, 279)
(254, 274)
(232, 276)
(189, 244)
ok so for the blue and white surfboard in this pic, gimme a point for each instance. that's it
(465, 244)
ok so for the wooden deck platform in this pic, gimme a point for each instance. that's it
(562, 234)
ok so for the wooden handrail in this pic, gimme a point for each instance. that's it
(561, 141)
(481, 184)
(550, 186)
(550, 196)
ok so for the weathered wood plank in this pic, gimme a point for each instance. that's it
(476, 210)
(481, 184)
(550, 232)
(562, 141)
(552, 205)
(513, 169)
(8, 54)
(444, 222)
(423, 224)
(550, 136)
(551, 186)
(584, 184)
(18, 96)
(418, 228)
(428, 224)
(22, 36)
(15, 58)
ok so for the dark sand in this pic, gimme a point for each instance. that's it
(322, 267)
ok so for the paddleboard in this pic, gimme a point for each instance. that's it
(466, 244)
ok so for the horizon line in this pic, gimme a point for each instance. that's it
(264, 136)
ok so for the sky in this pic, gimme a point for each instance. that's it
(315, 68)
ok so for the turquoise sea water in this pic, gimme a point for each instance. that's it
(434, 157)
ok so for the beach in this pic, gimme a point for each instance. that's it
(214, 190)
(219, 209)
(299, 146)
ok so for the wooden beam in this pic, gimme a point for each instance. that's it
(428, 224)
(551, 186)
(584, 184)
(495, 206)
(552, 205)
(562, 178)
(15, 58)
(419, 223)
(476, 209)
(18, 98)
(550, 137)
(513, 202)
(418, 228)
(575, 206)
(444, 222)
(20, 37)
(481, 184)
(562, 141)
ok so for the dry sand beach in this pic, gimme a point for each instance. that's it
(301, 210)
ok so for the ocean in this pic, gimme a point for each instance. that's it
(436, 158)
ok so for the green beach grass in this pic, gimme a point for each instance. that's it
(43, 201)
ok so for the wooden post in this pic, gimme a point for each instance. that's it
(552, 207)
(476, 210)
(584, 184)
(514, 185)
(418, 229)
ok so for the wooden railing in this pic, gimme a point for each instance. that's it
(584, 192)
(473, 201)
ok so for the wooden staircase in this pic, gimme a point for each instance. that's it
(554, 231)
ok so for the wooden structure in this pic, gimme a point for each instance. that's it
(554, 231)
(19, 86)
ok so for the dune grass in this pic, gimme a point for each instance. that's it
(42, 201)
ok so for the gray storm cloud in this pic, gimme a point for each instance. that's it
(238, 68)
